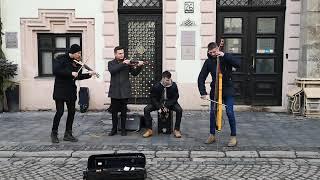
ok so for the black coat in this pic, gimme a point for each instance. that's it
(120, 86)
(156, 95)
(209, 66)
(64, 85)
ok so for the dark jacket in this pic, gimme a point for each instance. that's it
(209, 66)
(157, 98)
(64, 85)
(120, 86)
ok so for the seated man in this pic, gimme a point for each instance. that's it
(164, 97)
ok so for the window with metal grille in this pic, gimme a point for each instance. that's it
(140, 3)
(231, 3)
(52, 45)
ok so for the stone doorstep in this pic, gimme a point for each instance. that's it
(169, 154)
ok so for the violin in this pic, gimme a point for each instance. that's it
(134, 62)
(83, 65)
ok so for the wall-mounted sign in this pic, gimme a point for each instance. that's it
(188, 42)
(11, 40)
(188, 7)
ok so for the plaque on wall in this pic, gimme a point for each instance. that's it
(188, 7)
(187, 52)
(188, 38)
(188, 42)
(11, 40)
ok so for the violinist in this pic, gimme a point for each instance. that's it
(120, 86)
(227, 62)
(66, 71)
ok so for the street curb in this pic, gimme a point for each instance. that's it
(169, 154)
(278, 154)
(7, 154)
(59, 154)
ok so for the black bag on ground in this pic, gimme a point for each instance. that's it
(84, 99)
(134, 122)
(122, 166)
(165, 122)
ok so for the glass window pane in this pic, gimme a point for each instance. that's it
(57, 53)
(61, 42)
(233, 45)
(266, 25)
(233, 25)
(45, 43)
(46, 62)
(74, 40)
(265, 45)
(264, 65)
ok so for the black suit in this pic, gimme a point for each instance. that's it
(120, 90)
(65, 89)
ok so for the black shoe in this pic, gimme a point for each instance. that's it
(123, 132)
(69, 137)
(112, 133)
(54, 137)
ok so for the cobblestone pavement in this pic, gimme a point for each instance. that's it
(29, 131)
(271, 146)
(170, 168)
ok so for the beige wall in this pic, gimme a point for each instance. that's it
(291, 47)
(36, 92)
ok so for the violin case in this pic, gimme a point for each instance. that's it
(124, 166)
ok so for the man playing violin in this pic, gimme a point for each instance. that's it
(66, 71)
(120, 87)
(227, 62)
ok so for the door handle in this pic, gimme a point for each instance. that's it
(253, 62)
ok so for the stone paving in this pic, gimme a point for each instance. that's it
(29, 131)
(169, 168)
(271, 146)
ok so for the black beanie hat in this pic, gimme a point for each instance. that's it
(74, 48)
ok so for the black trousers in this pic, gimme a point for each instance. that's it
(60, 109)
(149, 108)
(119, 105)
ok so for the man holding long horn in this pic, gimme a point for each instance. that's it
(227, 61)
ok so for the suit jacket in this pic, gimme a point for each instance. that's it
(120, 86)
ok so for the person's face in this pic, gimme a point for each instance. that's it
(119, 54)
(213, 52)
(166, 81)
(76, 55)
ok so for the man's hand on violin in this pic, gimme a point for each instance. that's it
(74, 74)
(219, 53)
(126, 61)
(140, 63)
(92, 73)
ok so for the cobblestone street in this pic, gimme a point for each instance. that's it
(271, 146)
(174, 168)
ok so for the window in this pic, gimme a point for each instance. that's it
(50, 46)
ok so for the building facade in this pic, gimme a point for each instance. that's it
(169, 34)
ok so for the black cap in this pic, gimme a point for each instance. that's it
(74, 48)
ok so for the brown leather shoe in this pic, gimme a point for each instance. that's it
(232, 142)
(148, 133)
(211, 139)
(177, 133)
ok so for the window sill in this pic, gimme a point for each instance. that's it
(44, 77)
